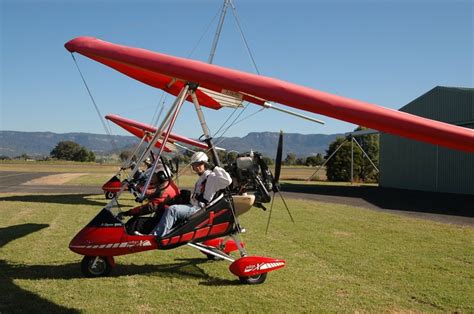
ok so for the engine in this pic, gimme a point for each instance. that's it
(250, 173)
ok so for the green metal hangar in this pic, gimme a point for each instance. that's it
(414, 165)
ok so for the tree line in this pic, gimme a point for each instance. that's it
(338, 167)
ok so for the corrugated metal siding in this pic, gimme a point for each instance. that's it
(407, 164)
(455, 171)
(419, 166)
(447, 104)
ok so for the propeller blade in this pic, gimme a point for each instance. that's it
(177, 170)
(270, 214)
(278, 159)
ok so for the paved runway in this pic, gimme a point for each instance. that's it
(12, 182)
(447, 208)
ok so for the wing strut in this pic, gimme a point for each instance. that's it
(269, 105)
(205, 129)
(218, 31)
(168, 122)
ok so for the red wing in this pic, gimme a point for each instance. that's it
(139, 129)
(159, 70)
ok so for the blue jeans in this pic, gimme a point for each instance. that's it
(171, 216)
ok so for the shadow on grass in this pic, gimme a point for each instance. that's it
(184, 268)
(68, 199)
(14, 298)
(392, 199)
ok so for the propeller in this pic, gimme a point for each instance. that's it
(276, 178)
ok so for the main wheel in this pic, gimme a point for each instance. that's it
(110, 195)
(95, 266)
(254, 280)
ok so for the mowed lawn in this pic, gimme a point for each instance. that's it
(339, 258)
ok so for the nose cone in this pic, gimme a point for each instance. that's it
(92, 240)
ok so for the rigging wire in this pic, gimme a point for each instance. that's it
(155, 119)
(222, 139)
(234, 13)
(161, 102)
(107, 130)
(204, 34)
(159, 107)
(249, 116)
(228, 118)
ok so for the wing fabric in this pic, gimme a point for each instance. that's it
(140, 129)
(170, 73)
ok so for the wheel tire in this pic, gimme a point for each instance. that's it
(91, 267)
(110, 195)
(254, 280)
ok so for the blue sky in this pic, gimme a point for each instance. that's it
(383, 52)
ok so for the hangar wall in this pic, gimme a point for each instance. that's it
(415, 165)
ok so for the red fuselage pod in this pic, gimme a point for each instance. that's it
(106, 236)
(113, 185)
(254, 265)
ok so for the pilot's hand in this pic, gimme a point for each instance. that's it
(123, 214)
(140, 199)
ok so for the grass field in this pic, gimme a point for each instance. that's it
(339, 258)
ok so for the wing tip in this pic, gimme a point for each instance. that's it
(73, 44)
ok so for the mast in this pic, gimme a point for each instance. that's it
(218, 31)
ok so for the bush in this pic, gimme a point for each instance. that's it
(338, 168)
(69, 150)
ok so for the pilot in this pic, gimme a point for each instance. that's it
(161, 189)
(209, 182)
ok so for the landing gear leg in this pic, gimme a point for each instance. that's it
(242, 250)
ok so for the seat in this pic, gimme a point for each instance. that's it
(203, 209)
(194, 219)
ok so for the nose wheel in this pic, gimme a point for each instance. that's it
(96, 266)
(254, 280)
(110, 195)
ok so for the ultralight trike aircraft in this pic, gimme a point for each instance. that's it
(215, 87)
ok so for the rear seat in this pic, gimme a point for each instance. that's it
(209, 205)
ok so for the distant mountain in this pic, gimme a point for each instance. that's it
(13, 143)
(266, 143)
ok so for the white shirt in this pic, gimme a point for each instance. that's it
(217, 179)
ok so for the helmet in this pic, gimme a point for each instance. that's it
(163, 173)
(162, 177)
(199, 157)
